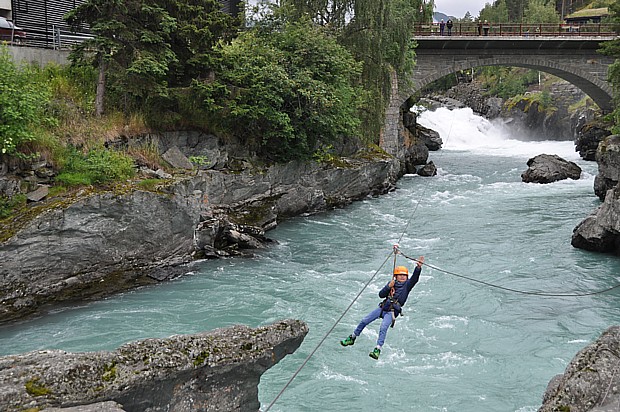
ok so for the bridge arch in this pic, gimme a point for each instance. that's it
(589, 81)
(575, 60)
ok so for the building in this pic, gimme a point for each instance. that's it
(587, 16)
(44, 23)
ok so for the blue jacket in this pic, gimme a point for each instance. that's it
(402, 289)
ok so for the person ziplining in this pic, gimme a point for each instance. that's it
(394, 295)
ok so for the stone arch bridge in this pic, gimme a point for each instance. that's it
(574, 59)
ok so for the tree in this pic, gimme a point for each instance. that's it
(285, 88)
(131, 43)
(541, 11)
(467, 18)
(200, 25)
(496, 13)
(377, 33)
(22, 105)
(612, 48)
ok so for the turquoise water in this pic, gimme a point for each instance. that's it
(460, 346)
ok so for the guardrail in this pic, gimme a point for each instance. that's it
(51, 36)
(517, 29)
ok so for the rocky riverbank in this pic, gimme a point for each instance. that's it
(211, 371)
(99, 241)
(591, 381)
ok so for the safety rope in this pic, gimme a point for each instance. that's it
(395, 251)
(523, 292)
(328, 333)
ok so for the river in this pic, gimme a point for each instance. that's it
(460, 346)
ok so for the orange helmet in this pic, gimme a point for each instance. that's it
(401, 270)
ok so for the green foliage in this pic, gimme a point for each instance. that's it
(379, 37)
(22, 105)
(35, 388)
(9, 204)
(507, 82)
(495, 13)
(98, 166)
(541, 11)
(145, 47)
(284, 88)
(200, 160)
(612, 48)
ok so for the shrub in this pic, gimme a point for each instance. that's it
(98, 166)
(22, 104)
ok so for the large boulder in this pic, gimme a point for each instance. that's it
(210, 371)
(546, 168)
(600, 232)
(590, 381)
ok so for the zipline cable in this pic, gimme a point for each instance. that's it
(328, 332)
(395, 251)
(523, 292)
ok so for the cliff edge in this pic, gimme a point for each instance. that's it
(210, 371)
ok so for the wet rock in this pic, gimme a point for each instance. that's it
(588, 138)
(590, 381)
(210, 371)
(600, 232)
(550, 168)
(117, 240)
(428, 170)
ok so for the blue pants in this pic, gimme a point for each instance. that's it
(371, 317)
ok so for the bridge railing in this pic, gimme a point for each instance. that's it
(517, 29)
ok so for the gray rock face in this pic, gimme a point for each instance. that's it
(550, 168)
(608, 159)
(591, 381)
(589, 135)
(101, 243)
(211, 371)
(600, 232)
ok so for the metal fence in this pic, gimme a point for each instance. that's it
(517, 29)
(49, 37)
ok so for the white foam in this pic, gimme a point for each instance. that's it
(462, 130)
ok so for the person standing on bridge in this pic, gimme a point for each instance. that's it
(486, 26)
(442, 25)
(395, 294)
(449, 26)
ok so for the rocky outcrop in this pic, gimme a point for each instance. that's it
(210, 371)
(474, 96)
(600, 231)
(546, 168)
(591, 380)
(95, 243)
(589, 135)
(418, 141)
(608, 159)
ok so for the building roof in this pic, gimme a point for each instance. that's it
(589, 13)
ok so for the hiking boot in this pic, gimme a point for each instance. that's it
(375, 353)
(350, 340)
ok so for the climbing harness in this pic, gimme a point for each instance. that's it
(392, 306)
